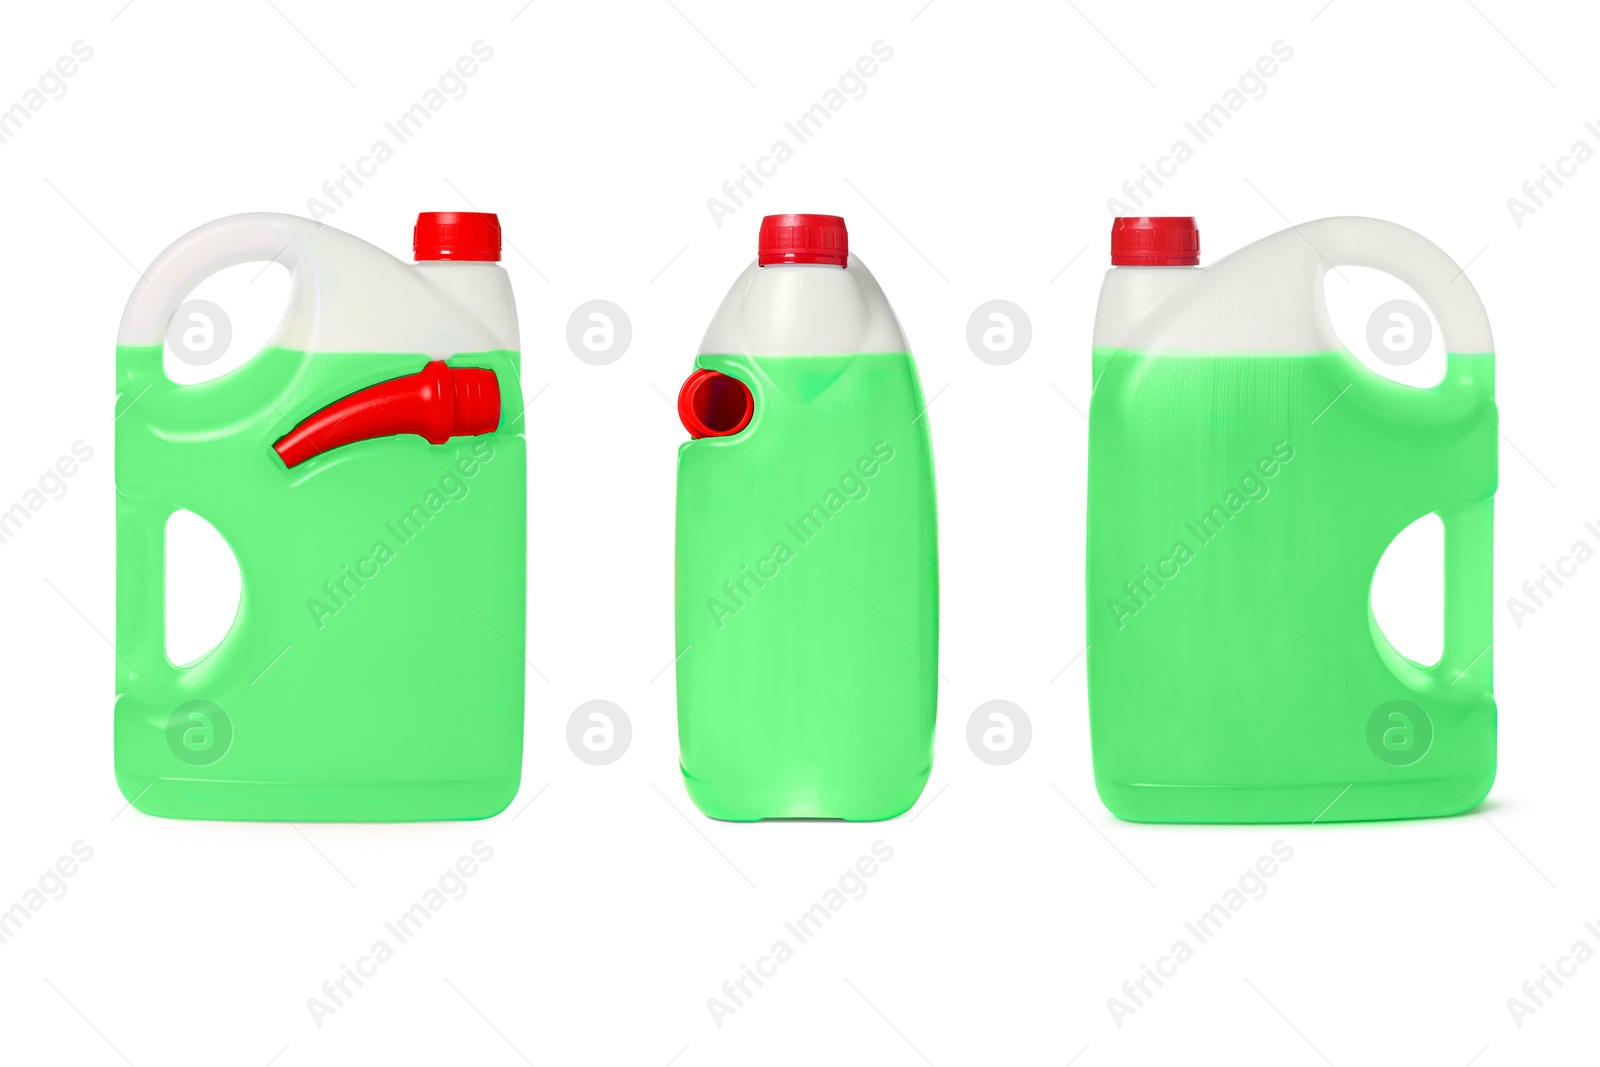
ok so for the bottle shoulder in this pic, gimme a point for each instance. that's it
(804, 309)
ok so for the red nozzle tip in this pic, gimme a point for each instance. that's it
(803, 239)
(467, 235)
(713, 404)
(477, 406)
(1155, 241)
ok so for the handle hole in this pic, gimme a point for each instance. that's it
(228, 318)
(202, 588)
(1408, 591)
(1385, 325)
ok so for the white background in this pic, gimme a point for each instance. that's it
(978, 165)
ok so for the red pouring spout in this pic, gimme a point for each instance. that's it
(437, 403)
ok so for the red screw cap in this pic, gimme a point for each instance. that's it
(803, 239)
(713, 404)
(1155, 242)
(469, 235)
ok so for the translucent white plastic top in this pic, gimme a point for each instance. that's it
(345, 295)
(1268, 296)
(804, 309)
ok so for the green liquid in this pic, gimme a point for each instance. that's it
(807, 594)
(1238, 508)
(375, 669)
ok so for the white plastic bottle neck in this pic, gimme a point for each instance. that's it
(483, 290)
(799, 309)
(1128, 294)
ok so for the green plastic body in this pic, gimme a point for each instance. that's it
(1238, 508)
(807, 594)
(374, 671)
